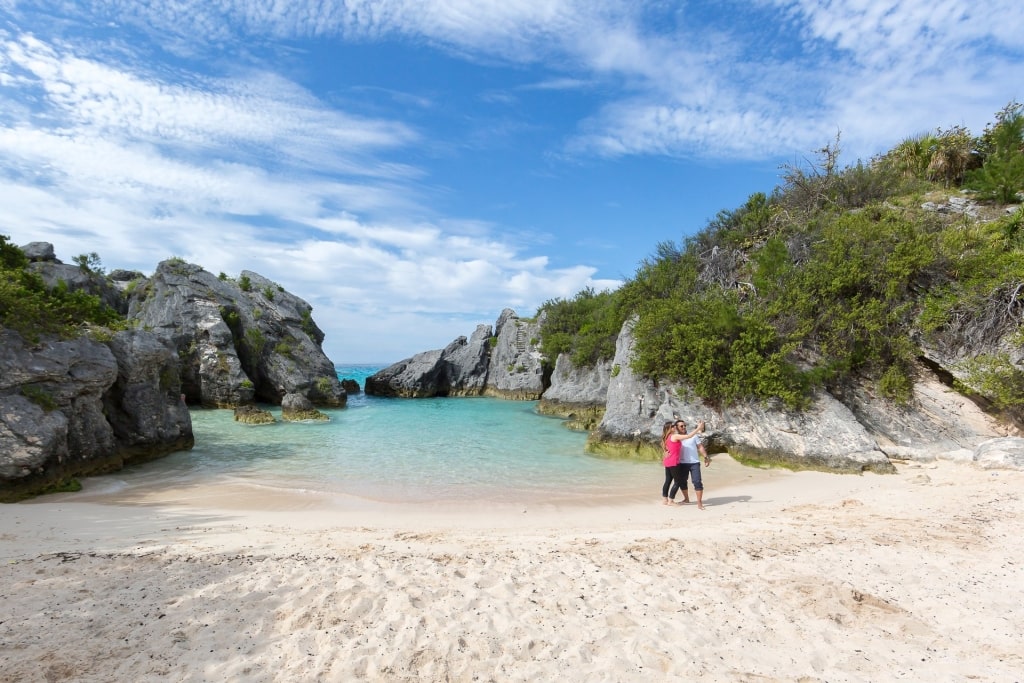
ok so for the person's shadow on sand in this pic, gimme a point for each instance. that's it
(726, 500)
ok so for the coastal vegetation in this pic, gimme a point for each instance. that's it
(32, 309)
(840, 272)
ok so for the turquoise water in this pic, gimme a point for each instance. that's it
(393, 450)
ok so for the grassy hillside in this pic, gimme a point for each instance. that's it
(840, 272)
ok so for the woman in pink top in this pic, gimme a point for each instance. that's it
(672, 440)
(673, 435)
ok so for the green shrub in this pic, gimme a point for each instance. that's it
(28, 307)
(255, 340)
(244, 283)
(896, 384)
(585, 326)
(169, 378)
(40, 396)
(89, 263)
(995, 377)
(307, 324)
(1001, 176)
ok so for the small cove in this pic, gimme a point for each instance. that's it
(393, 451)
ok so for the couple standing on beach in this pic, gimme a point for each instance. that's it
(683, 454)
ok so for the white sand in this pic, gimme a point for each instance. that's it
(917, 576)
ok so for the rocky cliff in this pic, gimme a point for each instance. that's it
(239, 341)
(72, 407)
(507, 364)
(516, 369)
(577, 394)
(845, 429)
(82, 406)
(459, 369)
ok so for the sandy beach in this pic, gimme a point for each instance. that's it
(917, 576)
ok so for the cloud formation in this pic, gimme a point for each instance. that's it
(193, 128)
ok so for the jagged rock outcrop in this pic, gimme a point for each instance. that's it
(516, 368)
(78, 407)
(39, 251)
(53, 271)
(144, 406)
(848, 430)
(577, 394)
(507, 364)
(298, 408)
(937, 423)
(239, 341)
(253, 415)
(459, 369)
(82, 406)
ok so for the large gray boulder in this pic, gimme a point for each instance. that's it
(459, 369)
(76, 407)
(39, 251)
(824, 436)
(1004, 453)
(516, 369)
(298, 408)
(145, 406)
(239, 341)
(577, 394)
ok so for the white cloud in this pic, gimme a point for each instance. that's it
(770, 78)
(128, 158)
(117, 160)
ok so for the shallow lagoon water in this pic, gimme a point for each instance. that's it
(395, 450)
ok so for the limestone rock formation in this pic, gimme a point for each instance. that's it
(937, 422)
(298, 408)
(459, 369)
(253, 415)
(577, 394)
(516, 368)
(848, 430)
(78, 407)
(239, 341)
(44, 263)
(1003, 453)
(145, 405)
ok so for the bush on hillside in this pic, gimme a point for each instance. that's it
(830, 277)
(31, 309)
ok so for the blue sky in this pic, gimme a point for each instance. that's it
(412, 168)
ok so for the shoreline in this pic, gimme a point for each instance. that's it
(786, 575)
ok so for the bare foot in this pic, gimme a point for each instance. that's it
(700, 506)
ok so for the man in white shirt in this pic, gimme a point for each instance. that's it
(689, 464)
